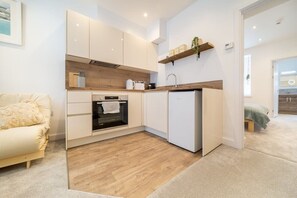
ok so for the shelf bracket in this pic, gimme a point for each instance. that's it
(172, 62)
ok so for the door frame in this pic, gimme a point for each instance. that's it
(249, 9)
(275, 88)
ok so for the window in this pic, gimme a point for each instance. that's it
(247, 76)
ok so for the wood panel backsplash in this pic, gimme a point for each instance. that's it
(104, 77)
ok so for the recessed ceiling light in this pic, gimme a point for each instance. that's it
(145, 14)
(254, 27)
(259, 39)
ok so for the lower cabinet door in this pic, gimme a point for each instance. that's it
(79, 126)
(135, 110)
(212, 119)
(156, 110)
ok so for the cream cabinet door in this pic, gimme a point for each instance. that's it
(79, 96)
(212, 119)
(106, 43)
(77, 34)
(79, 126)
(135, 109)
(135, 53)
(156, 110)
(152, 57)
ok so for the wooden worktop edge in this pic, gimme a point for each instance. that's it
(217, 84)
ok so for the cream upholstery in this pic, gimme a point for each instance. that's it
(20, 141)
(20, 114)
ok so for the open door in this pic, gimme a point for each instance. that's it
(212, 119)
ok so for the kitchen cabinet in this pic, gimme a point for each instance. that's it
(106, 43)
(212, 119)
(156, 110)
(77, 34)
(135, 109)
(78, 115)
(152, 57)
(287, 104)
(79, 126)
(88, 39)
(135, 51)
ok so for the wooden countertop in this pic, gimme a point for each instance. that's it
(217, 84)
(101, 89)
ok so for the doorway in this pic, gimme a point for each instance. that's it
(285, 86)
(277, 137)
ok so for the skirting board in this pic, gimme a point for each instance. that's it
(229, 142)
(156, 132)
(96, 138)
(55, 137)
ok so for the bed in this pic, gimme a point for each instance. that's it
(255, 114)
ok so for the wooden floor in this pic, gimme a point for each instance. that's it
(129, 166)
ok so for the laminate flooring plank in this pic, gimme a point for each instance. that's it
(129, 166)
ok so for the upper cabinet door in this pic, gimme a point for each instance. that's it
(152, 56)
(78, 28)
(106, 43)
(135, 53)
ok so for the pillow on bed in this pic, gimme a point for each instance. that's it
(20, 114)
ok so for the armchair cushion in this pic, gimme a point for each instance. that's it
(20, 114)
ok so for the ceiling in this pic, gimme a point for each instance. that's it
(133, 10)
(266, 28)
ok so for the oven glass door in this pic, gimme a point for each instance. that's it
(101, 120)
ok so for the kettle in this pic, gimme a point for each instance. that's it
(130, 84)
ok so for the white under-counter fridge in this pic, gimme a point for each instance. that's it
(185, 120)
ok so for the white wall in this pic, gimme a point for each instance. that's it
(262, 57)
(39, 64)
(214, 21)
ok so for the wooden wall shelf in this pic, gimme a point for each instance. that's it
(189, 52)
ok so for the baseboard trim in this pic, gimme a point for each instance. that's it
(55, 137)
(156, 132)
(229, 142)
(105, 136)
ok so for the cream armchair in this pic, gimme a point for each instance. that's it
(25, 143)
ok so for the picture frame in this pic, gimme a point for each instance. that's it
(11, 22)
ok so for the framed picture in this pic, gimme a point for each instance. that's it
(11, 22)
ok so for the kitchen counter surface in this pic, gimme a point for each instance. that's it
(101, 89)
(218, 84)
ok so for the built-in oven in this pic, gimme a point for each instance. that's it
(109, 111)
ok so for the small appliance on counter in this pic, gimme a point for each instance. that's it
(139, 85)
(77, 79)
(152, 86)
(81, 80)
(130, 84)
